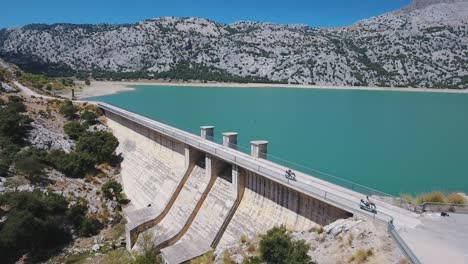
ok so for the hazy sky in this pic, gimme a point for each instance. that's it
(312, 12)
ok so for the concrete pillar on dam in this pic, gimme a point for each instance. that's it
(207, 132)
(235, 178)
(258, 148)
(230, 139)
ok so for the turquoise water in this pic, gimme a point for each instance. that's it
(396, 142)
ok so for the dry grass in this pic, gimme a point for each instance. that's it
(208, 258)
(119, 256)
(361, 256)
(251, 248)
(243, 239)
(318, 229)
(435, 197)
(432, 197)
(227, 258)
(455, 198)
(350, 239)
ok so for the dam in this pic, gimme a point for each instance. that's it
(193, 195)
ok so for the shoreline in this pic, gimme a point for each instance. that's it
(101, 88)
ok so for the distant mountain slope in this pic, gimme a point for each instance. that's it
(422, 45)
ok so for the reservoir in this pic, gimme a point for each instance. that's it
(395, 142)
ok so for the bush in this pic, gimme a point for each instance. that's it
(77, 213)
(112, 189)
(74, 129)
(277, 247)
(89, 227)
(455, 198)
(31, 163)
(74, 164)
(148, 251)
(34, 225)
(433, 197)
(13, 125)
(361, 256)
(98, 145)
(89, 118)
(68, 110)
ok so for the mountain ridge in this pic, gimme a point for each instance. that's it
(420, 46)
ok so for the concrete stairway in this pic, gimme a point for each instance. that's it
(153, 172)
(184, 209)
(257, 213)
(205, 227)
(151, 168)
(140, 220)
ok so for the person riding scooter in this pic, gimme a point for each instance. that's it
(370, 204)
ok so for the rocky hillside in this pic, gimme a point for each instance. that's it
(422, 45)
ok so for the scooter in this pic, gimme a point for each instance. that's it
(370, 207)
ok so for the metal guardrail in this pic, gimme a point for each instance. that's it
(401, 244)
(267, 169)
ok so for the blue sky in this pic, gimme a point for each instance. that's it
(322, 13)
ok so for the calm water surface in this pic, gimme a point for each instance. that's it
(397, 142)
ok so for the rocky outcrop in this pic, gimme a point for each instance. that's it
(7, 88)
(423, 45)
(43, 138)
(421, 4)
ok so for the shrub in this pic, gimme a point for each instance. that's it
(77, 213)
(243, 239)
(89, 227)
(455, 198)
(112, 189)
(13, 125)
(253, 260)
(98, 145)
(31, 163)
(278, 247)
(34, 225)
(433, 197)
(148, 251)
(89, 118)
(361, 256)
(74, 164)
(68, 110)
(74, 129)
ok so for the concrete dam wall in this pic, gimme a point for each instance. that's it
(192, 201)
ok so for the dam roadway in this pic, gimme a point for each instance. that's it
(398, 219)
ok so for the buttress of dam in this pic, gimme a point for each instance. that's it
(191, 201)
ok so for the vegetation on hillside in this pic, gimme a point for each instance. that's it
(14, 126)
(436, 197)
(182, 71)
(37, 223)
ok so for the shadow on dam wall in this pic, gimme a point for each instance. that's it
(299, 203)
(262, 204)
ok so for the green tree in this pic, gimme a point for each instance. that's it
(278, 247)
(77, 213)
(68, 110)
(87, 82)
(98, 145)
(112, 189)
(34, 225)
(74, 129)
(89, 227)
(89, 118)
(13, 125)
(74, 164)
(31, 163)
